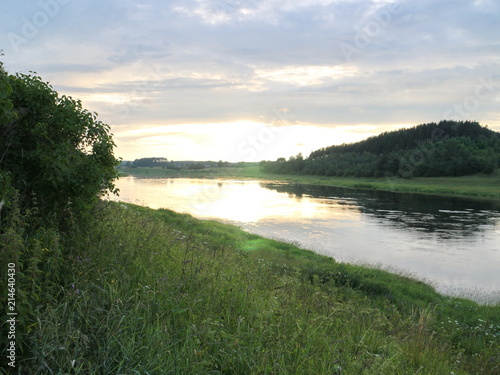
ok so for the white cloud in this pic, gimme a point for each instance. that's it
(227, 61)
(304, 75)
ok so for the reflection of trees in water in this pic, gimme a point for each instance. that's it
(446, 217)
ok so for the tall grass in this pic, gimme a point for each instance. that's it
(155, 292)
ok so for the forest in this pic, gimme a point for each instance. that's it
(447, 148)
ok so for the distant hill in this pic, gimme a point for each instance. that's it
(410, 138)
(447, 148)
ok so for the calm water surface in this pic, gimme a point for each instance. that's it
(452, 243)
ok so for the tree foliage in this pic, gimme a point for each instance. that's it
(5, 118)
(449, 148)
(52, 149)
(150, 162)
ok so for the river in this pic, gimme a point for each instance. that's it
(450, 243)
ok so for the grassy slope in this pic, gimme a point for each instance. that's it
(479, 186)
(155, 292)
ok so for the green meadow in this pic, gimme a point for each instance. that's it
(142, 291)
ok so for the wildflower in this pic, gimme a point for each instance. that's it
(77, 291)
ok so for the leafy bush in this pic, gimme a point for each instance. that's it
(51, 147)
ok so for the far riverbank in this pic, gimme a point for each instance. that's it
(475, 186)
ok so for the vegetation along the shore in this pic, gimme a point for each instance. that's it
(108, 288)
(477, 186)
(449, 148)
(459, 158)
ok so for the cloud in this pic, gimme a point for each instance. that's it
(329, 62)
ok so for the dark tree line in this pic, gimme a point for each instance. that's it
(150, 162)
(449, 148)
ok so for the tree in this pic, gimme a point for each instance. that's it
(449, 148)
(150, 162)
(52, 149)
(5, 118)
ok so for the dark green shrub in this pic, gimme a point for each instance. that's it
(52, 147)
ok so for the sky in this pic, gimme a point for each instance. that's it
(251, 80)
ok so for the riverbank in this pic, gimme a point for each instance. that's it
(153, 291)
(475, 186)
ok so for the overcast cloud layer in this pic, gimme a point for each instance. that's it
(214, 79)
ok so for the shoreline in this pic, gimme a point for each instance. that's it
(446, 288)
(244, 293)
(275, 246)
(472, 187)
(480, 295)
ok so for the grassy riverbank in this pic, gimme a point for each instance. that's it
(478, 186)
(155, 292)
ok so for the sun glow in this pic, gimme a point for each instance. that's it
(248, 141)
(106, 98)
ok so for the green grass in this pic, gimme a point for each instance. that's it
(477, 186)
(156, 292)
(224, 172)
